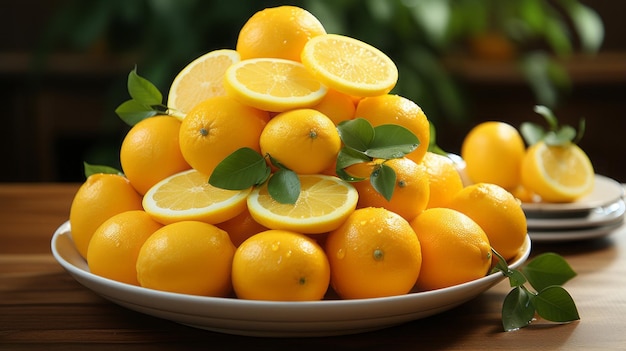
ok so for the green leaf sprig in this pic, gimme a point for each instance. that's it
(545, 273)
(364, 143)
(90, 169)
(245, 167)
(555, 134)
(146, 100)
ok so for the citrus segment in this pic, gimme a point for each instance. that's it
(324, 203)
(200, 80)
(557, 173)
(273, 84)
(349, 65)
(189, 196)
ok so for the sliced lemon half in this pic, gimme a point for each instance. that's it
(325, 202)
(189, 196)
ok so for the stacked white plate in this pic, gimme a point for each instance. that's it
(595, 215)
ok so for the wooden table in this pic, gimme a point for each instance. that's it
(43, 308)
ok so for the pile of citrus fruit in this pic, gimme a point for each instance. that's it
(553, 168)
(281, 94)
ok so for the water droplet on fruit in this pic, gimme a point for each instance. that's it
(341, 254)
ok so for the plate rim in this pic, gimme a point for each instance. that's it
(252, 311)
(583, 204)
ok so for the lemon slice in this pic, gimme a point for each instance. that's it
(325, 202)
(188, 196)
(273, 84)
(561, 173)
(349, 65)
(199, 80)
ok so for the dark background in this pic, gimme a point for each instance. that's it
(58, 89)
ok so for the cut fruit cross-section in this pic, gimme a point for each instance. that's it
(323, 205)
(349, 65)
(272, 84)
(199, 80)
(188, 196)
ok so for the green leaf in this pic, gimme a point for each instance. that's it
(132, 112)
(553, 123)
(240, 170)
(284, 186)
(391, 141)
(346, 158)
(546, 270)
(516, 278)
(517, 309)
(532, 133)
(562, 136)
(95, 169)
(588, 24)
(356, 133)
(556, 305)
(143, 90)
(383, 180)
(581, 131)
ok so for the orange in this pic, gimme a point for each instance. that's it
(280, 265)
(557, 173)
(337, 106)
(498, 212)
(200, 80)
(455, 249)
(187, 196)
(444, 180)
(150, 152)
(100, 197)
(304, 140)
(217, 127)
(115, 245)
(278, 32)
(324, 203)
(493, 153)
(410, 194)
(395, 109)
(187, 257)
(349, 65)
(375, 253)
(241, 227)
(273, 84)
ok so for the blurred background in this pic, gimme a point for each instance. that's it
(64, 65)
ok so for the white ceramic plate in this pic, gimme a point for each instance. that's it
(596, 217)
(273, 319)
(575, 234)
(606, 191)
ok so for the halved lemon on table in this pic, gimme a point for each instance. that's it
(199, 80)
(189, 196)
(273, 84)
(557, 173)
(323, 205)
(349, 65)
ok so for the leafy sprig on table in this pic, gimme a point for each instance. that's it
(545, 273)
